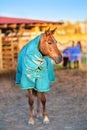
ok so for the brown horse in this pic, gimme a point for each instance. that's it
(47, 46)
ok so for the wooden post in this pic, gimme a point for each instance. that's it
(1, 51)
(12, 53)
(19, 43)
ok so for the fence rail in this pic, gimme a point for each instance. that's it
(9, 56)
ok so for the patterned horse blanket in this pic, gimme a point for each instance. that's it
(73, 53)
(33, 69)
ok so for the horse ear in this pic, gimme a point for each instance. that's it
(47, 31)
(52, 31)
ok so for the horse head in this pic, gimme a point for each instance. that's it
(48, 46)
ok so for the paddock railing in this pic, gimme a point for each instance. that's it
(10, 46)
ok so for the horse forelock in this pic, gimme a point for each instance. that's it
(48, 38)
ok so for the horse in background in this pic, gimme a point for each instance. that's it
(34, 69)
(72, 54)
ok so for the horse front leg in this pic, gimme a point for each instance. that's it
(43, 100)
(31, 102)
(39, 113)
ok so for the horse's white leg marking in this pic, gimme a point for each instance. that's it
(46, 120)
(31, 121)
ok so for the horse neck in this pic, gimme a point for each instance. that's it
(40, 44)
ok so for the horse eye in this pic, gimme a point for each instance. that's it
(49, 42)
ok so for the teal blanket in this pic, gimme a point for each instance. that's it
(33, 69)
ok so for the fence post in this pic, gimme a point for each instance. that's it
(1, 50)
(19, 43)
(12, 53)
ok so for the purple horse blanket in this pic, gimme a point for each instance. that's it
(73, 53)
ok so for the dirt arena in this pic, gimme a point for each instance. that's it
(66, 103)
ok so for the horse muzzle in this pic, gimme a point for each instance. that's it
(57, 59)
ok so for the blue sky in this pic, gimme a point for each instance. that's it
(54, 10)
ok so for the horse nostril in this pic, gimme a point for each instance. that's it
(57, 59)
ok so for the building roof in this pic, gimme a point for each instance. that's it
(11, 20)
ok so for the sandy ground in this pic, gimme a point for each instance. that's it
(66, 103)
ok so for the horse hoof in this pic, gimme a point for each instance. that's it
(39, 116)
(46, 120)
(31, 122)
